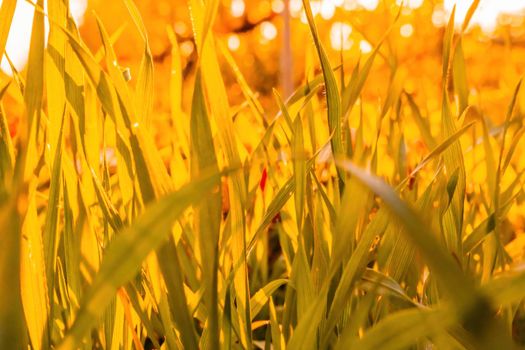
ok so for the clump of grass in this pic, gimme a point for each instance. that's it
(104, 246)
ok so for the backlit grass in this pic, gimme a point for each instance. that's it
(324, 235)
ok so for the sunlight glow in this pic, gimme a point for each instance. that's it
(413, 4)
(365, 46)
(488, 12)
(340, 36)
(369, 5)
(17, 46)
(234, 42)
(406, 30)
(268, 30)
(237, 8)
(277, 6)
(327, 9)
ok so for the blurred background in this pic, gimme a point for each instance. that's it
(270, 42)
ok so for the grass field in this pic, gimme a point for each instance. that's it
(330, 233)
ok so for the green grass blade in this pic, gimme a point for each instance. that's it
(438, 150)
(208, 214)
(127, 251)
(400, 330)
(12, 323)
(35, 69)
(261, 297)
(352, 271)
(7, 10)
(51, 234)
(332, 92)
(172, 272)
(35, 296)
(145, 84)
(440, 262)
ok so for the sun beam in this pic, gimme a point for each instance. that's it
(17, 46)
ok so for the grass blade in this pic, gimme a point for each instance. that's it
(128, 250)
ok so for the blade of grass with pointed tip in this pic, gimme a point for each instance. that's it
(493, 247)
(421, 123)
(277, 339)
(35, 70)
(7, 10)
(468, 302)
(326, 200)
(173, 277)
(51, 234)
(56, 95)
(71, 235)
(453, 218)
(383, 285)
(201, 17)
(453, 157)
(176, 78)
(355, 204)
(113, 93)
(460, 77)
(439, 261)
(305, 332)
(301, 279)
(512, 148)
(208, 214)
(144, 92)
(352, 271)
(447, 49)
(402, 255)
(305, 89)
(35, 297)
(471, 10)
(214, 84)
(248, 94)
(332, 92)
(359, 76)
(126, 252)
(260, 298)
(438, 150)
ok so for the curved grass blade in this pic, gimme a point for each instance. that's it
(260, 298)
(474, 310)
(145, 86)
(352, 271)
(201, 17)
(439, 149)
(332, 92)
(372, 280)
(128, 250)
(400, 330)
(440, 262)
